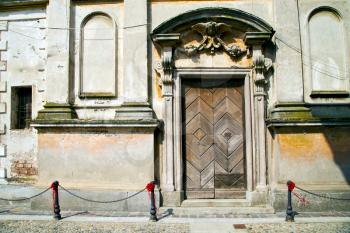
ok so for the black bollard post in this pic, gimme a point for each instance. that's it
(290, 212)
(153, 210)
(56, 204)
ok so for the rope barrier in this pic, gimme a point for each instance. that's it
(95, 201)
(322, 196)
(56, 205)
(26, 198)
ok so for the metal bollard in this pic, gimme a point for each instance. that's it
(153, 210)
(56, 204)
(290, 213)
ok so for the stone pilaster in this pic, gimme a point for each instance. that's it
(165, 68)
(135, 81)
(58, 51)
(261, 65)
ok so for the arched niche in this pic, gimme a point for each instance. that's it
(327, 58)
(98, 56)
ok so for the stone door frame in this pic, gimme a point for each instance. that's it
(212, 73)
(167, 37)
(171, 162)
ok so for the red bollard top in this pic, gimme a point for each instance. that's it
(150, 186)
(54, 185)
(291, 185)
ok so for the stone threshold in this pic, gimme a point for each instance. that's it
(214, 211)
(215, 203)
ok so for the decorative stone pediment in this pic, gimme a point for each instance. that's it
(188, 39)
(212, 40)
(213, 31)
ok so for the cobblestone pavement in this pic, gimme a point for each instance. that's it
(299, 228)
(75, 227)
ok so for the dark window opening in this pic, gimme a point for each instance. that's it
(21, 107)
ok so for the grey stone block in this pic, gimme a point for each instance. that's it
(2, 107)
(2, 129)
(71, 203)
(3, 65)
(316, 204)
(172, 199)
(141, 202)
(3, 25)
(3, 85)
(3, 45)
(2, 151)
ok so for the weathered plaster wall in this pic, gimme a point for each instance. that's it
(288, 81)
(25, 59)
(118, 159)
(97, 108)
(314, 156)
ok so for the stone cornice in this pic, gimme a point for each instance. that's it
(166, 40)
(302, 114)
(77, 123)
(257, 38)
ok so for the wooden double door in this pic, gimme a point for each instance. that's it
(213, 126)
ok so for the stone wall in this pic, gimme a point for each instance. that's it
(23, 55)
(97, 158)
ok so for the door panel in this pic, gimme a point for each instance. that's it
(214, 140)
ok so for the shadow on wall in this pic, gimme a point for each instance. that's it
(308, 152)
(338, 141)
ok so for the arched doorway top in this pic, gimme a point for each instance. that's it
(239, 19)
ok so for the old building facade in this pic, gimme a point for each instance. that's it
(217, 100)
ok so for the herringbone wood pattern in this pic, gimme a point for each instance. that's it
(213, 125)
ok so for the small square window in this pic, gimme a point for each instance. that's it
(21, 107)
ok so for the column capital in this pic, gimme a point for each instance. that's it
(261, 66)
(165, 68)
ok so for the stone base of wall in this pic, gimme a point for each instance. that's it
(138, 203)
(96, 156)
(316, 204)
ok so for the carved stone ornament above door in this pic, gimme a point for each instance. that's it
(211, 40)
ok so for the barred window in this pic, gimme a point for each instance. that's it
(21, 107)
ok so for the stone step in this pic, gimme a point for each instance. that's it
(216, 203)
(214, 211)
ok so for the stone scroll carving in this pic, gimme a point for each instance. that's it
(165, 68)
(261, 65)
(211, 40)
